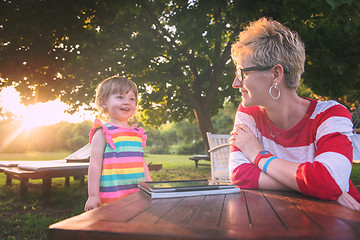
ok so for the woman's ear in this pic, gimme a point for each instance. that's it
(278, 71)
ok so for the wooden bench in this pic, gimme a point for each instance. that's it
(46, 171)
(197, 158)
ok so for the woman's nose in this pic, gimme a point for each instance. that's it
(237, 83)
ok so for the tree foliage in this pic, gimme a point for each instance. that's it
(178, 52)
(58, 137)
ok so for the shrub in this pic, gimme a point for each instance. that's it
(193, 148)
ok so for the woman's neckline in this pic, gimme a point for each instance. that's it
(299, 124)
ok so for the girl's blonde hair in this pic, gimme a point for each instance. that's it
(268, 43)
(110, 86)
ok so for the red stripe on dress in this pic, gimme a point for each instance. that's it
(123, 165)
(111, 197)
(126, 134)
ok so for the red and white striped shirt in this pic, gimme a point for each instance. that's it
(320, 142)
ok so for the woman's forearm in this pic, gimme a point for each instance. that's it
(281, 175)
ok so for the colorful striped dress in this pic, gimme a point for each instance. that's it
(123, 165)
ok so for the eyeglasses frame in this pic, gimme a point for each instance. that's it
(254, 68)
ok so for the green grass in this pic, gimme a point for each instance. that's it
(28, 219)
(355, 174)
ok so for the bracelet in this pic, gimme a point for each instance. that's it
(267, 164)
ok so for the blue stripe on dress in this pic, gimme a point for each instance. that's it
(123, 154)
(128, 144)
(112, 127)
(123, 149)
(121, 182)
(118, 188)
(122, 176)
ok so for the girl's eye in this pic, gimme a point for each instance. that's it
(132, 99)
(121, 97)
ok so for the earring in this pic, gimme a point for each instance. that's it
(275, 86)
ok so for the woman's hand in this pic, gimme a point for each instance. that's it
(244, 139)
(348, 201)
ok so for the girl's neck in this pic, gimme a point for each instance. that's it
(119, 123)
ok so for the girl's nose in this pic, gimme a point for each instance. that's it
(237, 83)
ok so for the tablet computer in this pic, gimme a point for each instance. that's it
(185, 185)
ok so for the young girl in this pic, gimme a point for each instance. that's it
(117, 158)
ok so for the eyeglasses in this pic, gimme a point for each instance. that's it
(240, 71)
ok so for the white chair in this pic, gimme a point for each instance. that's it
(219, 156)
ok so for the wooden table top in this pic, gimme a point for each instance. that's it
(251, 214)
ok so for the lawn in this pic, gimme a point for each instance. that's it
(27, 219)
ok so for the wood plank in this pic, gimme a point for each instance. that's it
(345, 214)
(235, 213)
(322, 218)
(182, 213)
(125, 210)
(292, 218)
(258, 208)
(209, 212)
(156, 211)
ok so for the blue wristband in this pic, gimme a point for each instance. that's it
(267, 164)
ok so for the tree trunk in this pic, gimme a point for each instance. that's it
(203, 118)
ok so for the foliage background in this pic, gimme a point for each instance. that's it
(177, 51)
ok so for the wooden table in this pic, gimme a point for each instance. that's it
(197, 158)
(252, 214)
(44, 170)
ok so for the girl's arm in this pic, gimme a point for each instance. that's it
(147, 172)
(98, 144)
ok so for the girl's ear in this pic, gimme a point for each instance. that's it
(102, 103)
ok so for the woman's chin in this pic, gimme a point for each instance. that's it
(245, 100)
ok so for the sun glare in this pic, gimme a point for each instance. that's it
(39, 114)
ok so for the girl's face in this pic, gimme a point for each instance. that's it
(120, 108)
(255, 84)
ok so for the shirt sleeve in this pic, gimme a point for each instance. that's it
(143, 134)
(97, 125)
(328, 175)
(242, 172)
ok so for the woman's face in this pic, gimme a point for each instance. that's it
(254, 86)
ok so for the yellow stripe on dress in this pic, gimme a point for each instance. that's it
(127, 138)
(122, 171)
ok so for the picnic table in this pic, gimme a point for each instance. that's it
(44, 170)
(251, 214)
(197, 158)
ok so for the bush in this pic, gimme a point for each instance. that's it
(76, 142)
(193, 148)
(157, 149)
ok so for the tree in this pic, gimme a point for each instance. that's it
(178, 52)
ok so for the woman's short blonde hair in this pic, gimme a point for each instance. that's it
(268, 43)
(110, 86)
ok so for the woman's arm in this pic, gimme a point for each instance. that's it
(98, 144)
(285, 171)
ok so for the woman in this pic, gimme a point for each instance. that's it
(281, 141)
